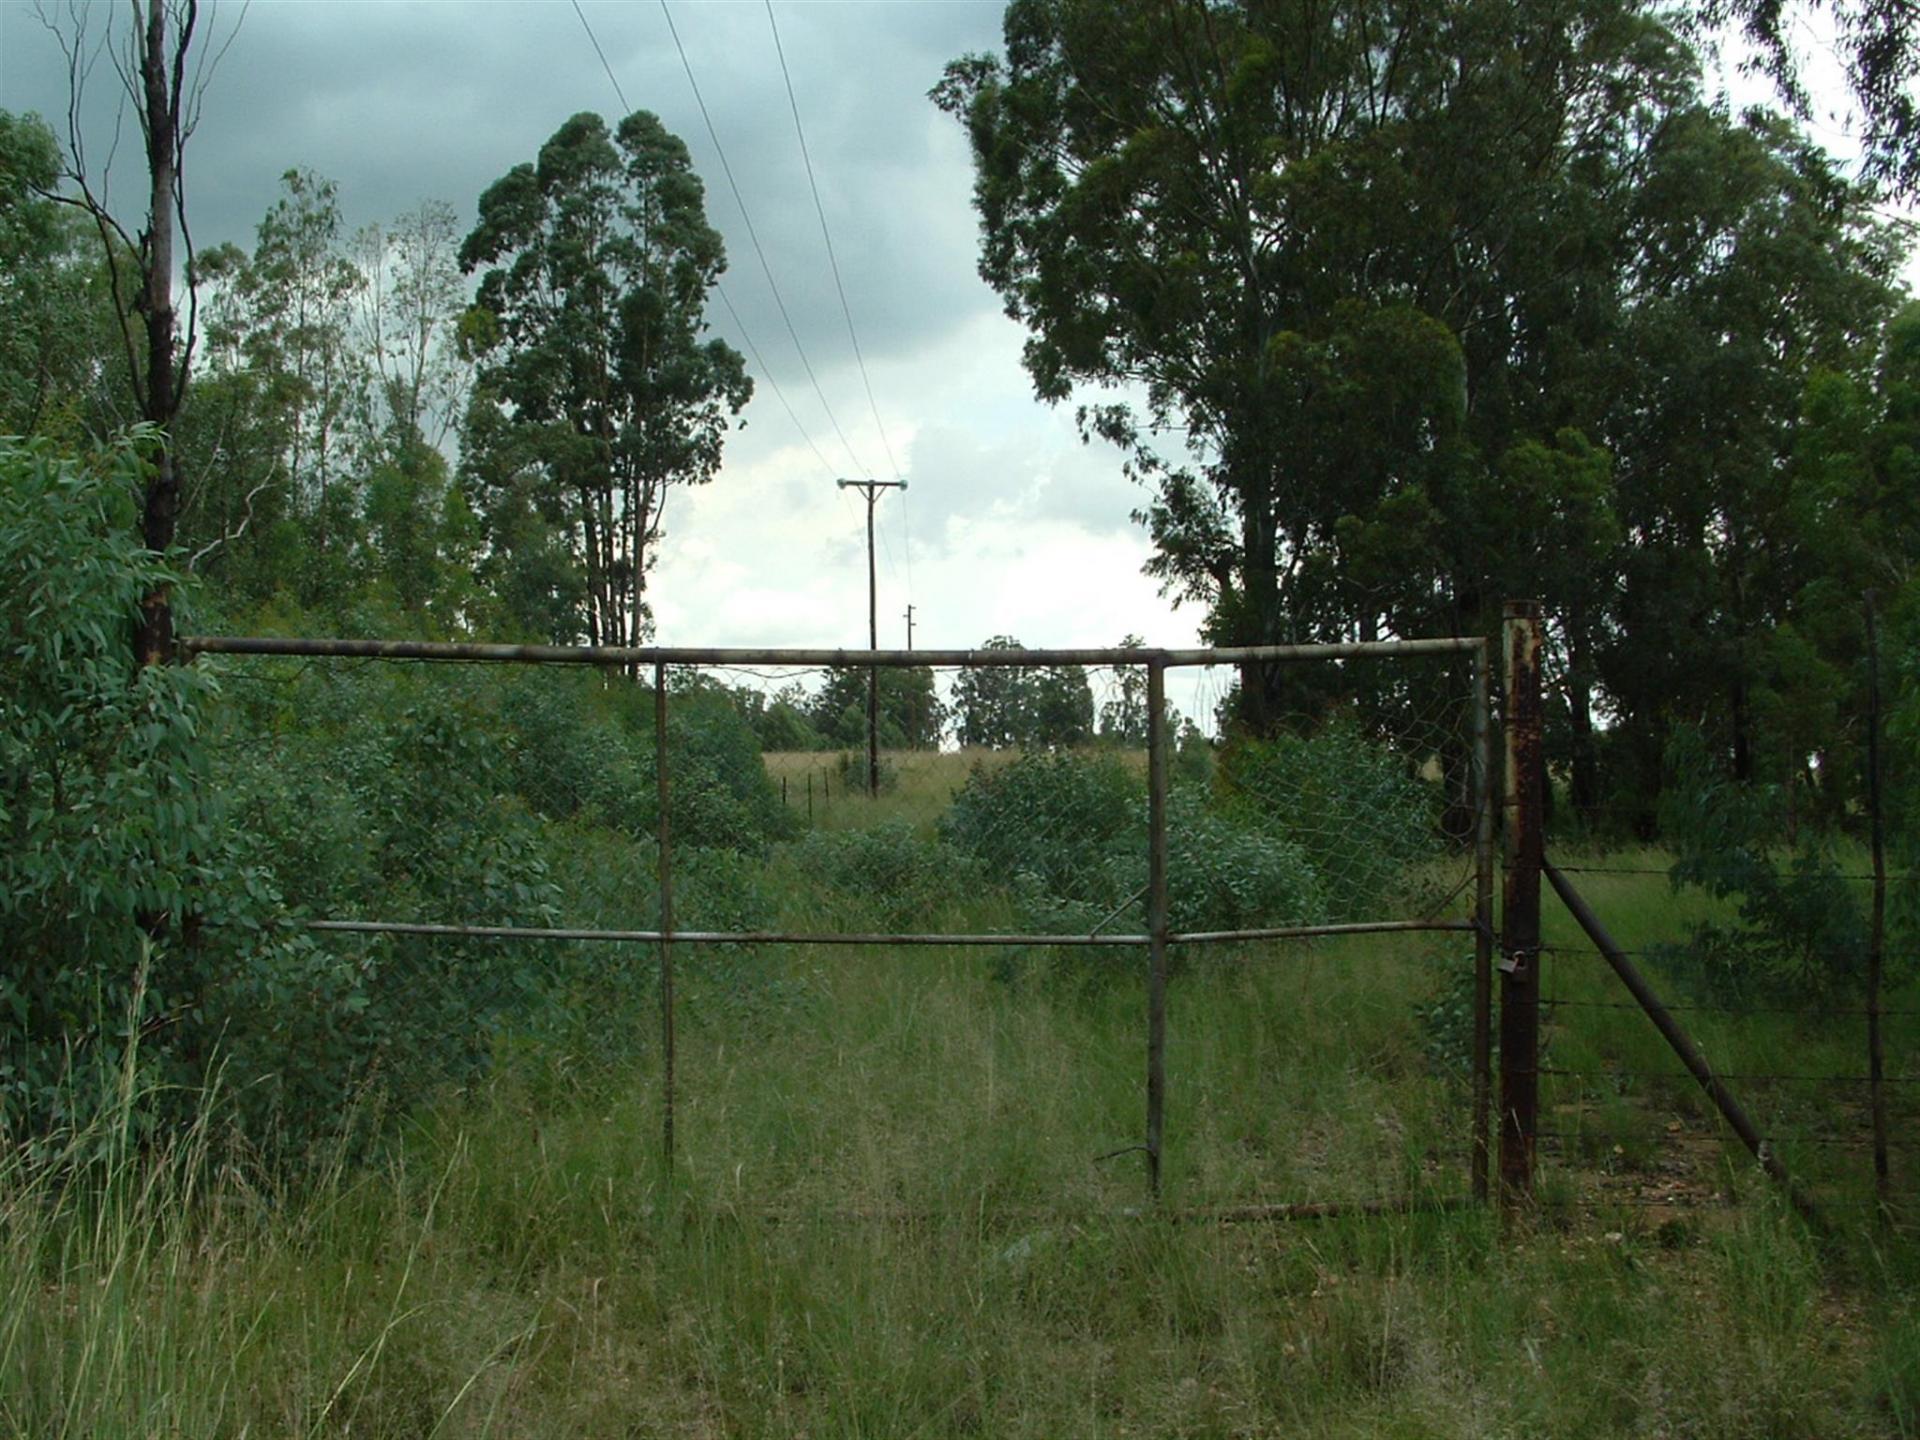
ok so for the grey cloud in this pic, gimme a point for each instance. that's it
(1039, 473)
(404, 102)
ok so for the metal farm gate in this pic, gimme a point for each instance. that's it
(1415, 715)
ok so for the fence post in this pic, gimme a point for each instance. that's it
(1157, 908)
(1482, 783)
(665, 863)
(1520, 904)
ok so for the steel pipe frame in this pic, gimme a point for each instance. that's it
(782, 937)
(627, 656)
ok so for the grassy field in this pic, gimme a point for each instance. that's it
(897, 1210)
(917, 785)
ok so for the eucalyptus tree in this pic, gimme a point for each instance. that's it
(164, 57)
(912, 714)
(1759, 265)
(595, 393)
(58, 340)
(1302, 235)
(406, 321)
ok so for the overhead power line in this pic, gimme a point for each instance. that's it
(753, 235)
(594, 40)
(827, 235)
(719, 286)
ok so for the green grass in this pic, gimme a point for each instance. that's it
(917, 785)
(888, 1217)
(1630, 1095)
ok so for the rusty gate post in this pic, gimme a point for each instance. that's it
(1520, 904)
(1157, 910)
(665, 864)
(1483, 938)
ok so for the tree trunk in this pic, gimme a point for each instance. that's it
(153, 642)
(1260, 683)
(1584, 778)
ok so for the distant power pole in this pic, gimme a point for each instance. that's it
(909, 627)
(872, 489)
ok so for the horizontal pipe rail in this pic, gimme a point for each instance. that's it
(797, 937)
(1313, 932)
(634, 656)
(704, 937)
(1250, 1214)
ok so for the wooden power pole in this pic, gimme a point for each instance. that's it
(871, 489)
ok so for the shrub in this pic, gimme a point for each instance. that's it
(886, 873)
(585, 748)
(1069, 832)
(113, 854)
(1801, 933)
(1358, 812)
(1060, 818)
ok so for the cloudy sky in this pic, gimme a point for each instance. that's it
(1011, 525)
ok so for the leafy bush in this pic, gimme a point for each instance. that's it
(1069, 832)
(1801, 933)
(113, 853)
(1355, 809)
(887, 873)
(585, 748)
(1226, 875)
(1059, 818)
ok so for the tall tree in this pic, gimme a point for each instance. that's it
(165, 90)
(1296, 230)
(992, 704)
(1878, 51)
(595, 393)
(59, 341)
(1006, 706)
(411, 300)
(912, 715)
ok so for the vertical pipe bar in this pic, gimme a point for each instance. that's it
(1520, 905)
(666, 909)
(873, 675)
(1483, 796)
(1877, 929)
(1157, 917)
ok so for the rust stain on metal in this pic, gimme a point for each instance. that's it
(1520, 904)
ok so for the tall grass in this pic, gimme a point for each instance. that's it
(889, 1218)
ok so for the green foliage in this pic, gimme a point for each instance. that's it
(1224, 874)
(583, 748)
(1801, 933)
(891, 874)
(1008, 706)
(1445, 1016)
(911, 714)
(59, 342)
(595, 391)
(1069, 833)
(1354, 808)
(1059, 819)
(115, 850)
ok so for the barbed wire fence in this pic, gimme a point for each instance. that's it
(1774, 1051)
(1104, 828)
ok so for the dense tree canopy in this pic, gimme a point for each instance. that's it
(596, 393)
(1399, 311)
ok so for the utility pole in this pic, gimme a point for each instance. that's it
(909, 627)
(871, 489)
